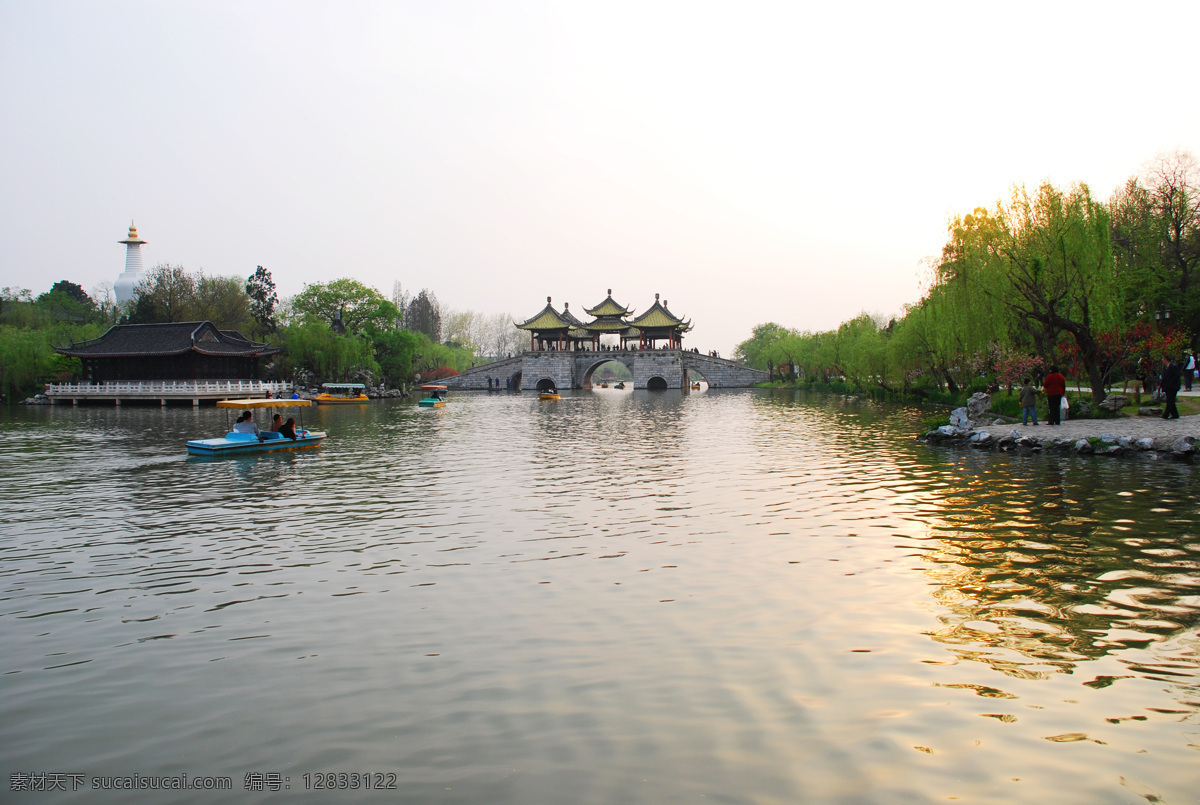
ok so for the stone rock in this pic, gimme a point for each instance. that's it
(978, 405)
(981, 439)
(1081, 410)
(1113, 450)
(1183, 446)
(1148, 411)
(947, 432)
(1083, 447)
(1145, 443)
(959, 420)
(1109, 438)
(1113, 403)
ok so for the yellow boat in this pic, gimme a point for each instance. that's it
(549, 394)
(342, 393)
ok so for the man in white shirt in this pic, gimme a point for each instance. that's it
(246, 424)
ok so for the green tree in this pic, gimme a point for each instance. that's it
(757, 350)
(314, 353)
(396, 353)
(1048, 258)
(66, 301)
(424, 315)
(1173, 182)
(260, 287)
(163, 295)
(221, 300)
(344, 303)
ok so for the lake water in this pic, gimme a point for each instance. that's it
(730, 597)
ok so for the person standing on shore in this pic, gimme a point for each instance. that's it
(1028, 401)
(1189, 369)
(1055, 386)
(1170, 387)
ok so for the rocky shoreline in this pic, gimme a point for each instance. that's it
(1143, 435)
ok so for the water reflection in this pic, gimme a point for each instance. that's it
(746, 597)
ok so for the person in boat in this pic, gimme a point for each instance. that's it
(288, 429)
(245, 424)
(277, 422)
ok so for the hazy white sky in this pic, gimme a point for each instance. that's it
(791, 162)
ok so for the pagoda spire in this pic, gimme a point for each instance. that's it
(123, 287)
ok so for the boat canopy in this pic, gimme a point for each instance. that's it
(435, 387)
(274, 403)
(348, 386)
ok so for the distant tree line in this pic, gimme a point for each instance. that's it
(336, 331)
(1102, 289)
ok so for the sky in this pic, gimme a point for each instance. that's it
(749, 161)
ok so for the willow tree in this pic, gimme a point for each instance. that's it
(1061, 269)
(964, 317)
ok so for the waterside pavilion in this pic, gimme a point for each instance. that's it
(185, 361)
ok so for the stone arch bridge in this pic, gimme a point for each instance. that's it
(651, 368)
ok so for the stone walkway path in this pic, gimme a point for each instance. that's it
(1137, 427)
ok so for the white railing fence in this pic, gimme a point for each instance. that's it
(181, 388)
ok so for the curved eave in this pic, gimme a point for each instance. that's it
(609, 308)
(547, 319)
(75, 353)
(608, 326)
(255, 353)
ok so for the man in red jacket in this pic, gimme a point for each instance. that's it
(1055, 386)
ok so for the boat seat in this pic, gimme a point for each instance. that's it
(270, 435)
(235, 436)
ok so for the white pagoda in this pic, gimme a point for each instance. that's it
(123, 288)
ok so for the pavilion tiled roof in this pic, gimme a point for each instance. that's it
(175, 338)
(549, 319)
(608, 308)
(659, 317)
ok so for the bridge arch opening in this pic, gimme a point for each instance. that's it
(607, 373)
(546, 384)
(656, 383)
(696, 380)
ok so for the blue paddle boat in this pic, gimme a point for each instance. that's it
(237, 443)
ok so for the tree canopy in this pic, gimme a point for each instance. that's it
(1049, 276)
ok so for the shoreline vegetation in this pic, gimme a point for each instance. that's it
(338, 331)
(1102, 289)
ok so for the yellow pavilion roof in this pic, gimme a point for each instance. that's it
(658, 316)
(609, 308)
(547, 319)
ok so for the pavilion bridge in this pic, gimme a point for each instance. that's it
(564, 352)
(574, 369)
